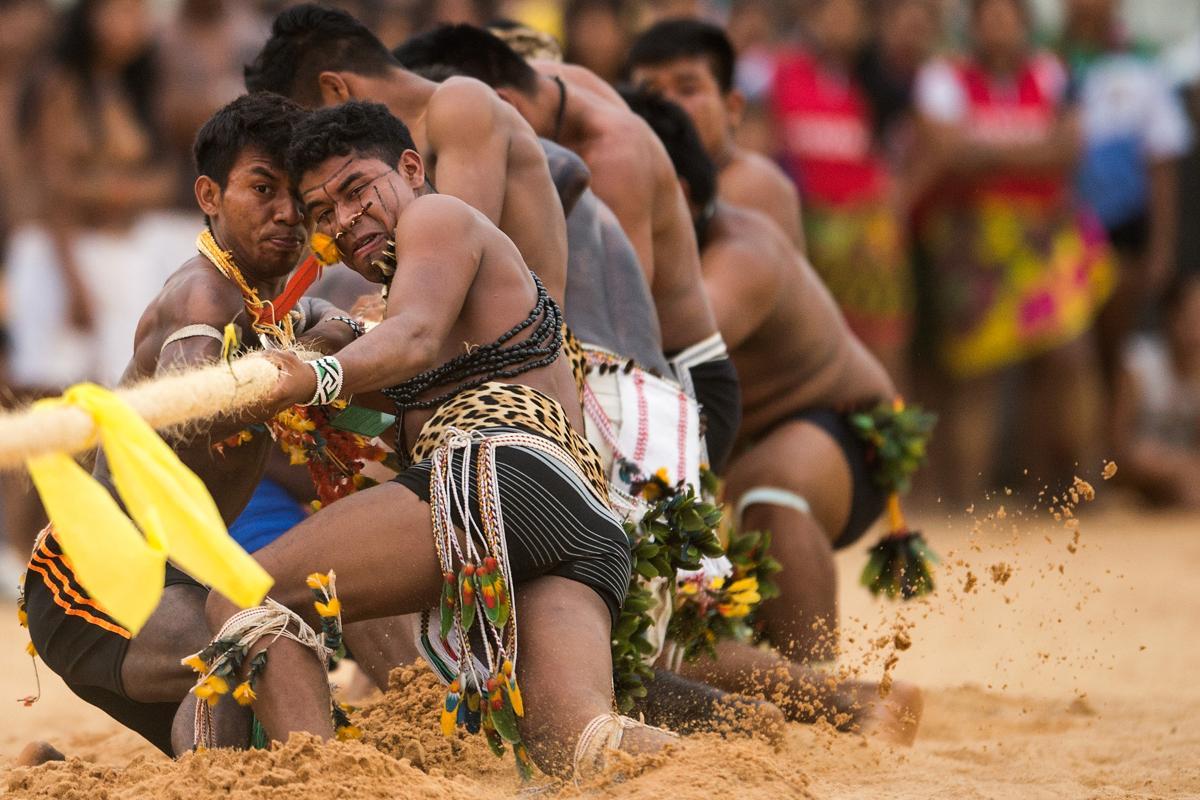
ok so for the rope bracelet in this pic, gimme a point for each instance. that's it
(329, 380)
(356, 326)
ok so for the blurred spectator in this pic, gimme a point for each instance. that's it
(827, 136)
(754, 29)
(1183, 63)
(907, 33)
(1018, 272)
(426, 14)
(653, 12)
(597, 35)
(392, 21)
(1157, 421)
(26, 25)
(1135, 131)
(82, 272)
(691, 62)
(543, 16)
(203, 50)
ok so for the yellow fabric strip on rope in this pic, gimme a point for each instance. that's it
(119, 567)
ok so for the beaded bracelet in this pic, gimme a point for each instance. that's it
(356, 326)
(329, 380)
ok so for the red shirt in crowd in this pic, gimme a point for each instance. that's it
(826, 133)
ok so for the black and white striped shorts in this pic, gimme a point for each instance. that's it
(553, 521)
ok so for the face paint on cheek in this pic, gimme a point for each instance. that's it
(390, 224)
(386, 263)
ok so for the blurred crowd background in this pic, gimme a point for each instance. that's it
(1003, 196)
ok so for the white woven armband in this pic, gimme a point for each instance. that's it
(329, 380)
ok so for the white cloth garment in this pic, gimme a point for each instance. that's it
(123, 271)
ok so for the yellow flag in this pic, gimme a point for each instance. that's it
(119, 568)
(111, 559)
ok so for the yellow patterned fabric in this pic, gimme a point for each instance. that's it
(858, 250)
(120, 568)
(1013, 278)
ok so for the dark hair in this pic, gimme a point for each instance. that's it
(469, 51)
(307, 40)
(674, 39)
(75, 51)
(355, 127)
(674, 127)
(261, 120)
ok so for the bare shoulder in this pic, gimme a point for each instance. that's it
(626, 151)
(750, 244)
(437, 218)
(637, 148)
(462, 101)
(195, 294)
(752, 172)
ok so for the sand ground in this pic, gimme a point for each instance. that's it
(1055, 666)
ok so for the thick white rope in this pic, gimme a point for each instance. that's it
(166, 402)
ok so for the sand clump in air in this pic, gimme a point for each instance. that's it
(1001, 572)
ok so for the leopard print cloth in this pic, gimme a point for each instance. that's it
(509, 404)
(577, 358)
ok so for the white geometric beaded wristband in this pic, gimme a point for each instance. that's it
(329, 380)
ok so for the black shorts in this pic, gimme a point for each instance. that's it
(86, 647)
(868, 500)
(554, 524)
(720, 397)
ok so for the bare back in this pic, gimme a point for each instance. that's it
(478, 148)
(791, 346)
(633, 175)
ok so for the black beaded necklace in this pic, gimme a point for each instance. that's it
(486, 362)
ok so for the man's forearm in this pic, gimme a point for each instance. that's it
(391, 354)
(330, 329)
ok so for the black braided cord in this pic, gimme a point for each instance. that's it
(488, 362)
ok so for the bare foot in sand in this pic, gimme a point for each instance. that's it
(36, 753)
(687, 706)
(893, 719)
